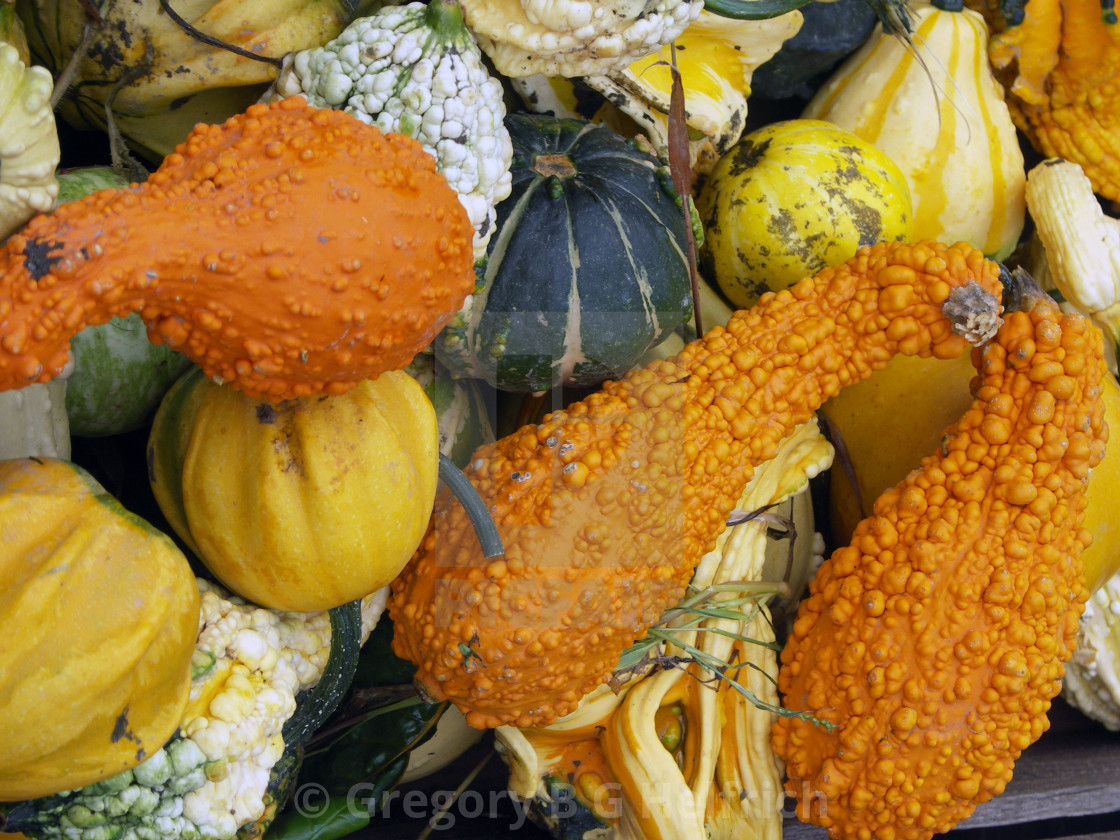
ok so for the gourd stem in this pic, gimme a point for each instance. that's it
(472, 503)
(1021, 292)
(752, 9)
(948, 5)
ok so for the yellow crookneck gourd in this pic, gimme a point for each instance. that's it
(933, 106)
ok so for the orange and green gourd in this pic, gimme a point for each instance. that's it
(287, 251)
(1059, 62)
(606, 507)
(929, 649)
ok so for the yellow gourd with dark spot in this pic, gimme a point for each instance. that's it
(792, 198)
(304, 504)
(99, 614)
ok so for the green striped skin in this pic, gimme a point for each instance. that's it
(461, 409)
(119, 375)
(587, 270)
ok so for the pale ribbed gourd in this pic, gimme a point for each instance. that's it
(935, 108)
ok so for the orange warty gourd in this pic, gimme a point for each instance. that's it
(606, 507)
(1060, 69)
(289, 251)
(934, 643)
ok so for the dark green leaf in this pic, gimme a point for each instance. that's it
(341, 818)
(377, 664)
(374, 749)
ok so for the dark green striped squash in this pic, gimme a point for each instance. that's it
(588, 267)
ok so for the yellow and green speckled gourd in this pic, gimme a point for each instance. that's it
(934, 107)
(304, 504)
(99, 614)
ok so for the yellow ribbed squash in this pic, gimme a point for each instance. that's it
(98, 616)
(300, 505)
(935, 109)
(792, 198)
(716, 57)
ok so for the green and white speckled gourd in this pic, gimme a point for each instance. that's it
(416, 69)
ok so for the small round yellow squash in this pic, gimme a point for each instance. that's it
(304, 504)
(792, 198)
(99, 617)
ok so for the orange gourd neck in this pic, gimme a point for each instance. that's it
(605, 508)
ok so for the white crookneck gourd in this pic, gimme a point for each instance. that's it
(1080, 244)
(672, 751)
(930, 102)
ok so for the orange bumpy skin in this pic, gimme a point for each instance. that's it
(935, 641)
(1060, 69)
(606, 508)
(289, 251)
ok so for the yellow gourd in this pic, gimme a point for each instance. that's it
(864, 418)
(300, 505)
(716, 58)
(792, 198)
(936, 110)
(99, 615)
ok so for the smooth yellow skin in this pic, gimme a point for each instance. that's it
(300, 505)
(930, 394)
(792, 198)
(937, 111)
(98, 616)
(1102, 558)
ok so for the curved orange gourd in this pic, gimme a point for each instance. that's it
(288, 251)
(606, 507)
(935, 642)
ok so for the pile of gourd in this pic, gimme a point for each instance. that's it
(451, 366)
